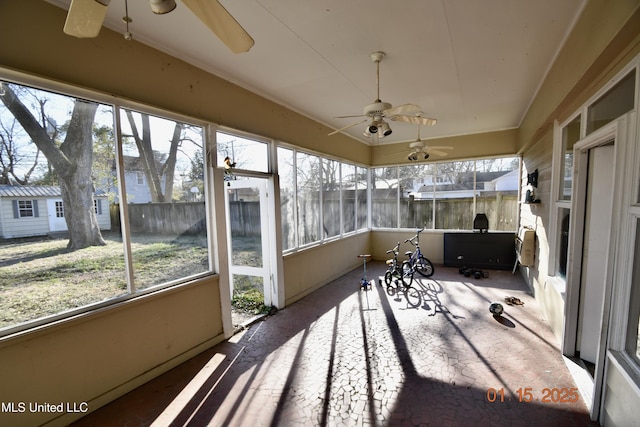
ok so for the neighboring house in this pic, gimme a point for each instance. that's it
(38, 210)
(504, 181)
(135, 180)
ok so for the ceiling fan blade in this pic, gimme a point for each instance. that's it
(439, 147)
(222, 23)
(437, 152)
(410, 109)
(416, 120)
(349, 117)
(347, 127)
(85, 18)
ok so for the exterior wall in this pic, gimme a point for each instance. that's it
(11, 227)
(23, 227)
(604, 40)
(104, 217)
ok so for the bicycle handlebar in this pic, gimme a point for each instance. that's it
(416, 237)
(394, 250)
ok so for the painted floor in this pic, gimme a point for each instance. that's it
(347, 357)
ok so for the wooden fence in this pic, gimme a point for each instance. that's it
(185, 218)
(450, 214)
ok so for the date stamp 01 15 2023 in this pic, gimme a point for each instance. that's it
(527, 394)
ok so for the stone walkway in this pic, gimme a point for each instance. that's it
(345, 357)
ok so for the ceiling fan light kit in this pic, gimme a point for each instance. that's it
(160, 7)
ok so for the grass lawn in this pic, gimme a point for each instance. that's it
(42, 277)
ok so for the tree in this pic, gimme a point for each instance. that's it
(72, 161)
(159, 168)
(11, 157)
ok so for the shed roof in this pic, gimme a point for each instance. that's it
(34, 191)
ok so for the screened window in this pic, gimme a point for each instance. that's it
(447, 195)
(167, 216)
(331, 200)
(320, 199)
(454, 195)
(384, 197)
(362, 208)
(308, 198)
(161, 200)
(497, 182)
(348, 189)
(243, 153)
(286, 172)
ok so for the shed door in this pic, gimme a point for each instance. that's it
(55, 209)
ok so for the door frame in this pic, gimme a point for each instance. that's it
(266, 271)
(56, 223)
(603, 136)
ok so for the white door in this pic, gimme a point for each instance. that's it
(597, 227)
(55, 209)
(249, 239)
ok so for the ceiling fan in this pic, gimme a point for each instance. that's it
(376, 112)
(419, 150)
(85, 18)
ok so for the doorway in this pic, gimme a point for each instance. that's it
(249, 232)
(591, 257)
(595, 254)
(55, 209)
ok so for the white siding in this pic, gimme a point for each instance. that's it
(23, 227)
(11, 227)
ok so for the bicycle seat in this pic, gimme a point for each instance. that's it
(408, 253)
(364, 256)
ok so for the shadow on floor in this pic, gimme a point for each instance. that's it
(342, 356)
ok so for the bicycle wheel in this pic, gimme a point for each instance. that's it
(424, 267)
(413, 296)
(407, 273)
(388, 277)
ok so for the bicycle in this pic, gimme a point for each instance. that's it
(398, 271)
(417, 260)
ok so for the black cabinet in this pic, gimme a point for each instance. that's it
(480, 250)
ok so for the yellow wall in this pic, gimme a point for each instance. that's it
(97, 357)
(431, 244)
(307, 270)
(499, 143)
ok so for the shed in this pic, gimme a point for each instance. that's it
(38, 210)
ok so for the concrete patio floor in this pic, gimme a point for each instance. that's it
(346, 357)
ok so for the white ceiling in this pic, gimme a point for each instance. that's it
(475, 65)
